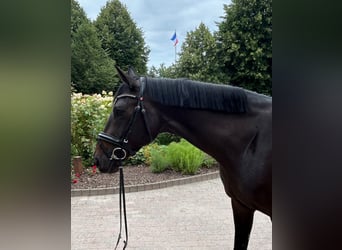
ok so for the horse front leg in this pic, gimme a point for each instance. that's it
(243, 220)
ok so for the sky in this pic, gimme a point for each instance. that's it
(159, 19)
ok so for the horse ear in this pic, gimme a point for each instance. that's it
(131, 72)
(127, 78)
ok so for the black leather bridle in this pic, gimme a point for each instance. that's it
(121, 148)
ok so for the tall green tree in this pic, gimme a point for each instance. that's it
(78, 16)
(121, 38)
(92, 70)
(197, 59)
(245, 44)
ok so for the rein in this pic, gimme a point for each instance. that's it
(122, 204)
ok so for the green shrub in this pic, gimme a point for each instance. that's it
(89, 114)
(208, 161)
(159, 159)
(184, 157)
(138, 158)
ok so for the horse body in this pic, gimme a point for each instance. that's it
(232, 125)
(238, 142)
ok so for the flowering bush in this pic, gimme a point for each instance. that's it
(89, 114)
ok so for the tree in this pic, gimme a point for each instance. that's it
(121, 38)
(91, 68)
(197, 58)
(163, 71)
(245, 44)
(78, 17)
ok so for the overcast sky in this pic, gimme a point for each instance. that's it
(159, 19)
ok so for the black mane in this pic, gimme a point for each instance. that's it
(196, 95)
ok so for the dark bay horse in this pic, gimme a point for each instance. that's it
(231, 124)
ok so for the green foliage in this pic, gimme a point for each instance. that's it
(121, 38)
(197, 59)
(91, 68)
(184, 157)
(138, 158)
(78, 16)
(163, 71)
(208, 161)
(143, 156)
(245, 44)
(181, 156)
(166, 138)
(159, 159)
(89, 114)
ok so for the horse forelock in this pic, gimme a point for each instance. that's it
(196, 95)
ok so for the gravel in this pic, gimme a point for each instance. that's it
(133, 175)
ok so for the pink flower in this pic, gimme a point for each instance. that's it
(78, 175)
(94, 169)
(74, 181)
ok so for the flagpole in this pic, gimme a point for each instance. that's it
(175, 50)
(175, 40)
(175, 54)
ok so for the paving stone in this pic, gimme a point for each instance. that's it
(192, 216)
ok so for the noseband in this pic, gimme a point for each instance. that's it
(121, 147)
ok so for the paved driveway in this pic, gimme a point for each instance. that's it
(191, 216)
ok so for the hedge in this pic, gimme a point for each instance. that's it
(89, 114)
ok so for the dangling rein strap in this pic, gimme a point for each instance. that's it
(122, 203)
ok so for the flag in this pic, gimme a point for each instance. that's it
(174, 39)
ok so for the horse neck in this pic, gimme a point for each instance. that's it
(214, 132)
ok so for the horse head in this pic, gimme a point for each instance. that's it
(131, 124)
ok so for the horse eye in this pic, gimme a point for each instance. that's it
(118, 112)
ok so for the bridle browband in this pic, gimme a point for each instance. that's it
(121, 147)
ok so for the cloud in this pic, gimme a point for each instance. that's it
(159, 19)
